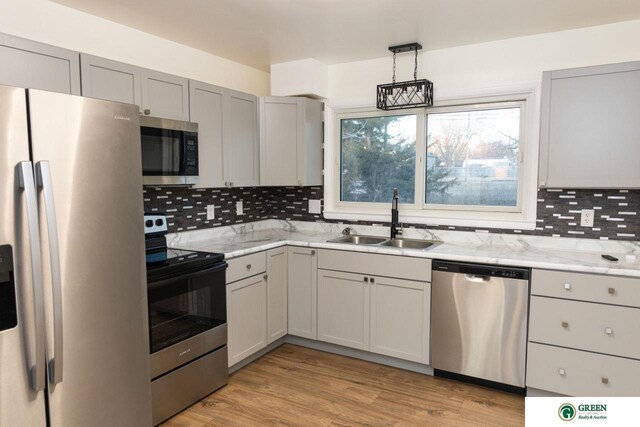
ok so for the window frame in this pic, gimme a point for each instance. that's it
(523, 217)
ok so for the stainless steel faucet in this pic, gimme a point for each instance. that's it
(395, 230)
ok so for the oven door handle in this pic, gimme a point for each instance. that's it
(167, 280)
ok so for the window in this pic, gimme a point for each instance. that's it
(377, 155)
(465, 163)
(472, 158)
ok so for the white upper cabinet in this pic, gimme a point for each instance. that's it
(206, 106)
(39, 66)
(241, 144)
(110, 80)
(165, 95)
(290, 141)
(590, 131)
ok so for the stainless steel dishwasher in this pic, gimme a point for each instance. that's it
(479, 323)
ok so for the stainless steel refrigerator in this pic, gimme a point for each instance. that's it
(73, 326)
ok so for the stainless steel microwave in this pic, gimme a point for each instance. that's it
(169, 151)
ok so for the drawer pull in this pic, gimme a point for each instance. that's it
(248, 266)
(567, 286)
(366, 280)
(608, 331)
(612, 291)
(265, 277)
(313, 252)
(605, 380)
(372, 280)
(565, 324)
(562, 372)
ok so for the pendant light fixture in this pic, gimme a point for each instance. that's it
(409, 94)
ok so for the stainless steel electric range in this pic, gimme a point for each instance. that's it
(187, 322)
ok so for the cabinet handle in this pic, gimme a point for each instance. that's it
(265, 277)
(147, 112)
(612, 291)
(605, 380)
(366, 280)
(300, 182)
(231, 184)
(565, 324)
(608, 331)
(562, 372)
(567, 286)
(372, 280)
(226, 184)
(248, 266)
(313, 252)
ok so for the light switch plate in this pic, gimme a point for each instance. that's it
(586, 218)
(314, 206)
(239, 210)
(211, 212)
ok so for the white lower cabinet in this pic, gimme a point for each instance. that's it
(400, 318)
(276, 294)
(379, 314)
(246, 317)
(343, 309)
(303, 292)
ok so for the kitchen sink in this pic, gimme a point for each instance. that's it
(355, 239)
(409, 243)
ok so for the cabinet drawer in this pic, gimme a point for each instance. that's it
(579, 373)
(601, 328)
(400, 267)
(586, 287)
(246, 266)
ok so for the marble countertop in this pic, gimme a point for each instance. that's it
(581, 255)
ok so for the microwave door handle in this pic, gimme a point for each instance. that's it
(45, 184)
(24, 175)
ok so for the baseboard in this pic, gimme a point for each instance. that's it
(360, 354)
(257, 355)
(536, 392)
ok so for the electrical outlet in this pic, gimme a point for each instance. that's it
(211, 212)
(314, 206)
(586, 218)
(239, 210)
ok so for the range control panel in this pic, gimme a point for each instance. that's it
(155, 224)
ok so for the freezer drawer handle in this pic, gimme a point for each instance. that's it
(45, 184)
(27, 185)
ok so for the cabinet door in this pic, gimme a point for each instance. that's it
(165, 95)
(400, 314)
(276, 294)
(310, 157)
(589, 127)
(39, 66)
(343, 309)
(303, 292)
(246, 317)
(205, 106)
(240, 136)
(110, 80)
(281, 130)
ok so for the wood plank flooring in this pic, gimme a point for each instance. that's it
(297, 386)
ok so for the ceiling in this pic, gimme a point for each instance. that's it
(263, 32)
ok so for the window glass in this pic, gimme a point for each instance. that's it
(378, 154)
(472, 158)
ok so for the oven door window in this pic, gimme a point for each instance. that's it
(162, 151)
(185, 306)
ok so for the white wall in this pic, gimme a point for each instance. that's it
(54, 24)
(494, 64)
(303, 77)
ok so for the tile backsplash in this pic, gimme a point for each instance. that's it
(617, 212)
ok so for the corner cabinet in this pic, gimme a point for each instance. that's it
(290, 141)
(241, 143)
(276, 294)
(303, 292)
(29, 64)
(589, 127)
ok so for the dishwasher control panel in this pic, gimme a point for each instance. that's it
(481, 269)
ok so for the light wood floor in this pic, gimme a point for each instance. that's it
(297, 386)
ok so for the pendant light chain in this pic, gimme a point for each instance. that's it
(394, 67)
(415, 70)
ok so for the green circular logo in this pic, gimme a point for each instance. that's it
(567, 412)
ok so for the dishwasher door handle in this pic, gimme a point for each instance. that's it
(477, 278)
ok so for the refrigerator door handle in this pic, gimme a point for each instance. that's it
(26, 182)
(44, 182)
